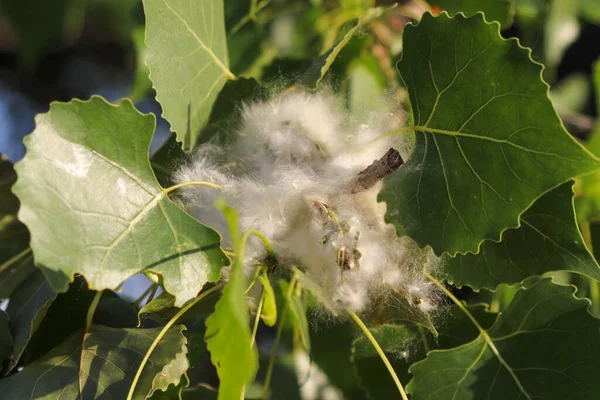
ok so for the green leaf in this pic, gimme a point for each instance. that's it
(269, 311)
(502, 11)
(27, 308)
(105, 368)
(297, 317)
(488, 141)
(227, 330)
(548, 240)
(67, 314)
(225, 115)
(166, 159)
(544, 345)
(14, 237)
(324, 63)
(187, 57)
(6, 341)
(406, 344)
(93, 205)
(397, 341)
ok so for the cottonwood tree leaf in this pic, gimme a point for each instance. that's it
(93, 205)
(67, 314)
(105, 368)
(548, 240)
(13, 274)
(324, 63)
(227, 329)
(166, 159)
(27, 308)
(502, 11)
(187, 58)
(297, 312)
(544, 345)
(488, 141)
(14, 237)
(406, 344)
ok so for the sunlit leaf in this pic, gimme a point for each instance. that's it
(269, 311)
(93, 205)
(488, 142)
(187, 57)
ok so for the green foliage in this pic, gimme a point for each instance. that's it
(479, 110)
(187, 57)
(494, 10)
(487, 183)
(545, 322)
(104, 367)
(109, 228)
(548, 240)
(227, 331)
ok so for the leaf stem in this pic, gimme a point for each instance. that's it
(191, 183)
(261, 302)
(379, 351)
(90, 314)
(163, 332)
(258, 235)
(286, 305)
(15, 259)
(89, 318)
(484, 335)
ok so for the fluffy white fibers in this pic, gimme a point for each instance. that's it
(292, 174)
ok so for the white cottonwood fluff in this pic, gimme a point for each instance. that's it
(289, 174)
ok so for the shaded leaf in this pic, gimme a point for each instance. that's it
(66, 314)
(221, 128)
(6, 341)
(502, 11)
(14, 237)
(105, 368)
(406, 344)
(187, 57)
(548, 240)
(27, 308)
(488, 141)
(86, 188)
(228, 335)
(166, 159)
(544, 345)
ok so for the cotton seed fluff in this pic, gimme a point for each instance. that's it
(302, 171)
